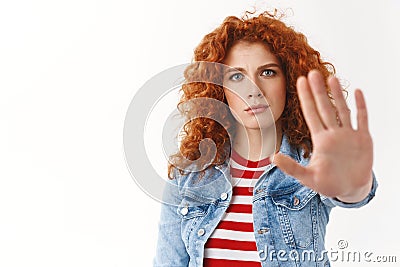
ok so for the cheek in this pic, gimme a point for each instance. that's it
(278, 95)
(281, 104)
(282, 98)
(234, 101)
(235, 104)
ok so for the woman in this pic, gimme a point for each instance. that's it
(285, 152)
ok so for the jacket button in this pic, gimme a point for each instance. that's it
(296, 201)
(224, 196)
(184, 211)
(201, 232)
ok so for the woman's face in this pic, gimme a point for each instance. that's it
(254, 85)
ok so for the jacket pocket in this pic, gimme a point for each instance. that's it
(191, 217)
(188, 212)
(297, 216)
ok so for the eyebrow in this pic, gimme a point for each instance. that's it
(268, 65)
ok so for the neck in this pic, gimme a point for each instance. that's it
(257, 144)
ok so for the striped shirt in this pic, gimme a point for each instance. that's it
(233, 243)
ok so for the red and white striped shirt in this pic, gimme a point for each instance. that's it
(233, 243)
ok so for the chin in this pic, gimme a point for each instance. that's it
(263, 126)
(261, 123)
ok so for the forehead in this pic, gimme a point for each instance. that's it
(249, 53)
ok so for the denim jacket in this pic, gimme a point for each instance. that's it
(289, 219)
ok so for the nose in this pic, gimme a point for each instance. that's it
(254, 91)
(255, 95)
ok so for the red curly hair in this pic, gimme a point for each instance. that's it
(297, 58)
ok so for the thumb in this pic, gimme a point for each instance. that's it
(291, 167)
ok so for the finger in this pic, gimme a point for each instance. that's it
(362, 115)
(340, 102)
(292, 168)
(308, 106)
(324, 105)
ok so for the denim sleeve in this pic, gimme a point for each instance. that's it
(171, 250)
(332, 202)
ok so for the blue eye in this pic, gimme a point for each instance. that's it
(268, 73)
(236, 77)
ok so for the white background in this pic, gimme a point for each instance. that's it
(68, 71)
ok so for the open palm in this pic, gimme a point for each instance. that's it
(341, 162)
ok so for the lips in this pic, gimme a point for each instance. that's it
(256, 109)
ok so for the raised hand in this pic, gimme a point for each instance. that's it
(341, 161)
